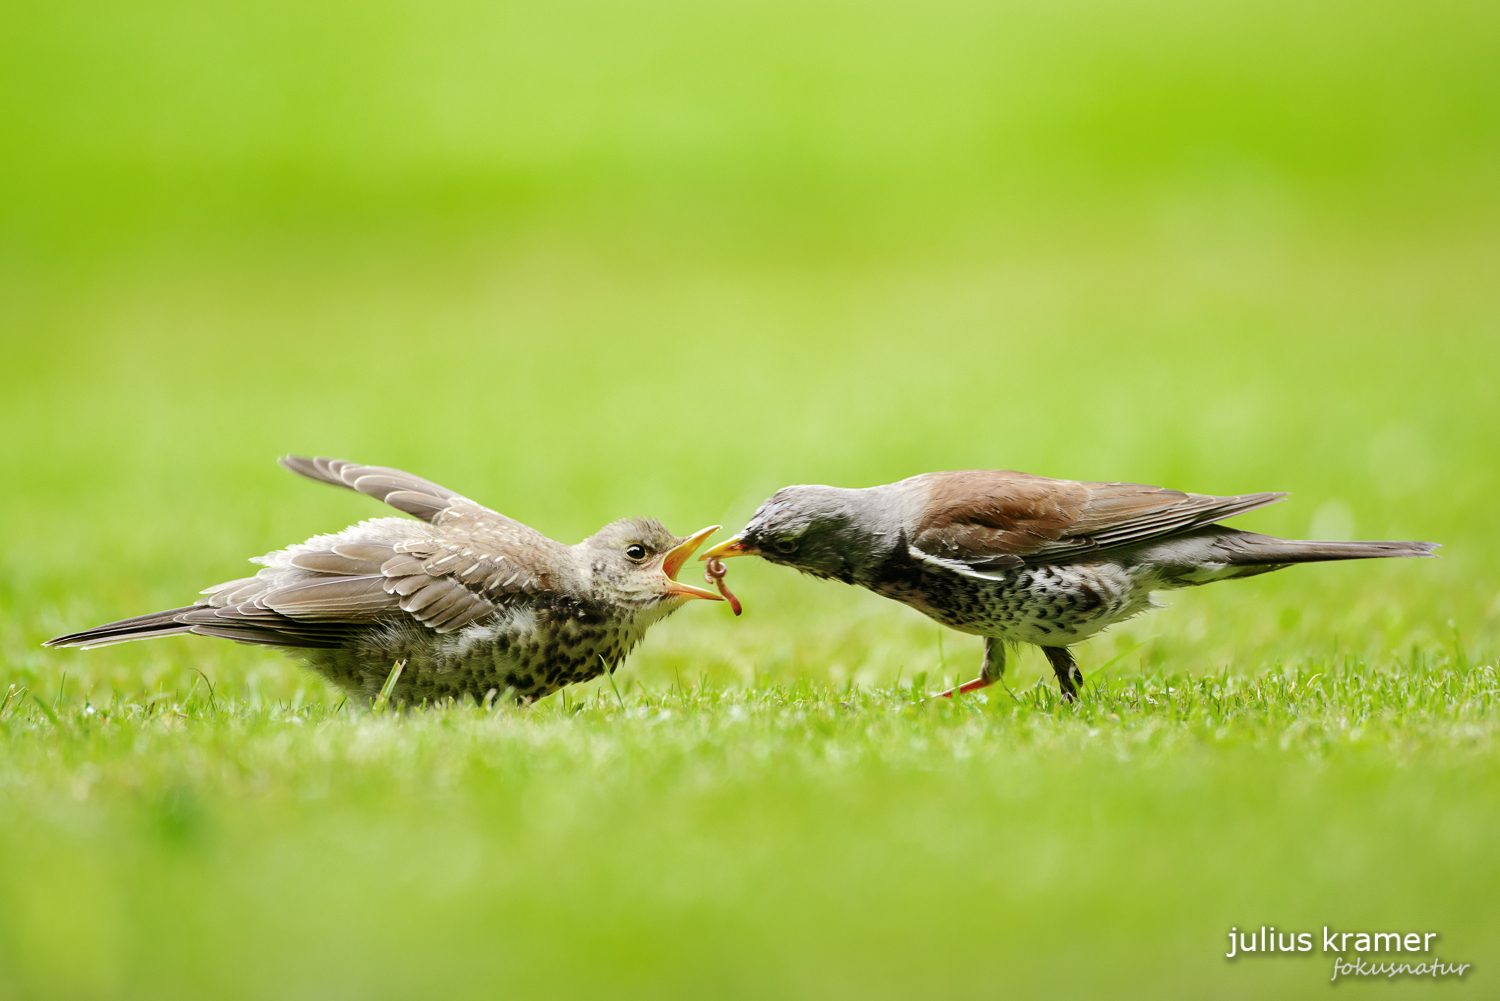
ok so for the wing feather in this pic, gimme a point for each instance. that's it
(325, 591)
(336, 563)
(342, 598)
(413, 495)
(990, 519)
(418, 600)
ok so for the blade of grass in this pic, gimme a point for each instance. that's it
(47, 709)
(611, 676)
(384, 698)
(212, 705)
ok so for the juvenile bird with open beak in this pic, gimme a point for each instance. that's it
(1020, 558)
(469, 601)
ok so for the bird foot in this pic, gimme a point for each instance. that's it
(965, 688)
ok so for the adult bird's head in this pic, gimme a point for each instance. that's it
(830, 532)
(635, 561)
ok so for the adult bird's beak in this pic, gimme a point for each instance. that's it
(676, 557)
(724, 550)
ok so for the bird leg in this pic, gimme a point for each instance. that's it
(1068, 675)
(989, 673)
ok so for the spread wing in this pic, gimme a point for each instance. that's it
(466, 563)
(327, 590)
(410, 494)
(987, 520)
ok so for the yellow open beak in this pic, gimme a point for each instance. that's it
(676, 557)
(724, 550)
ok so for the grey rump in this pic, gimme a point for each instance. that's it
(1015, 557)
(475, 603)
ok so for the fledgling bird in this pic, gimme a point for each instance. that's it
(473, 602)
(1026, 559)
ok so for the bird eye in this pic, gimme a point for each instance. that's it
(635, 551)
(785, 546)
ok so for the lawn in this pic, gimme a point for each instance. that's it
(580, 264)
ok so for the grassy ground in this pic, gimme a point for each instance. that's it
(578, 266)
(770, 841)
(774, 811)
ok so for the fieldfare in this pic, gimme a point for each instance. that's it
(1021, 558)
(474, 603)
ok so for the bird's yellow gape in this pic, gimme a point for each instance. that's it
(673, 561)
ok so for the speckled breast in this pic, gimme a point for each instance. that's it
(525, 654)
(1044, 605)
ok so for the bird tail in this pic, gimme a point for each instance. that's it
(1218, 553)
(1251, 549)
(141, 627)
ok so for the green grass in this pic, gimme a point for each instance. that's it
(757, 841)
(762, 841)
(585, 261)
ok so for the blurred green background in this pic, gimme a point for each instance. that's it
(588, 259)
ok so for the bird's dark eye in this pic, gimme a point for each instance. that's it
(635, 551)
(785, 546)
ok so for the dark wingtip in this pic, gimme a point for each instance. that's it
(70, 640)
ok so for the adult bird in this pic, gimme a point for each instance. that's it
(469, 601)
(1020, 558)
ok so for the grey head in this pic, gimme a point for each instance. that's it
(832, 532)
(633, 562)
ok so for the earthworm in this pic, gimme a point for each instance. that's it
(714, 572)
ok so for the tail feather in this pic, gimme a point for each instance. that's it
(269, 629)
(1251, 549)
(1218, 553)
(141, 627)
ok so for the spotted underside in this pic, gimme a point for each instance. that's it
(521, 653)
(1044, 605)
